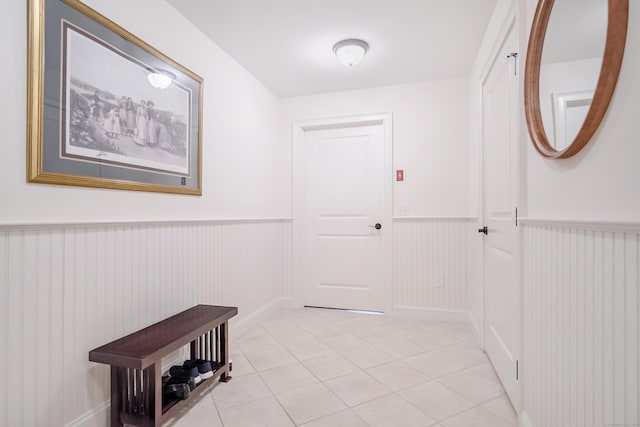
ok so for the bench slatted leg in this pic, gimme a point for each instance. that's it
(116, 397)
(224, 352)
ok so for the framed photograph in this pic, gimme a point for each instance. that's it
(105, 109)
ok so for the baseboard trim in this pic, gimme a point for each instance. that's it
(430, 313)
(98, 416)
(477, 332)
(246, 323)
(524, 421)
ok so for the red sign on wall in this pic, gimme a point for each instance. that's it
(400, 175)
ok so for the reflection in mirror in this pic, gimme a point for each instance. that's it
(571, 60)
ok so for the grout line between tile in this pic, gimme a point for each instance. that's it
(338, 324)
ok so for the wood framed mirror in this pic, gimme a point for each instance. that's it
(562, 121)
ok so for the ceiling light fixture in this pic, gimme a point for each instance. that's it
(161, 79)
(351, 51)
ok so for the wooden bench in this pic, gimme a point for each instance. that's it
(136, 371)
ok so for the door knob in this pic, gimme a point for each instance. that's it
(378, 226)
(484, 230)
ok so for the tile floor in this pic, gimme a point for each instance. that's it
(314, 367)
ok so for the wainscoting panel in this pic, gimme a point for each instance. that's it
(426, 252)
(581, 324)
(65, 289)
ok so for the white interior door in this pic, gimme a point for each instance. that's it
(500, 185)
(344, 200)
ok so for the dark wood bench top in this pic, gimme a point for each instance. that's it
(147, 346)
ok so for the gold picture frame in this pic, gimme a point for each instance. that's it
(106, 109)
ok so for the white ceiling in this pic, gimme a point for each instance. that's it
(287, 44)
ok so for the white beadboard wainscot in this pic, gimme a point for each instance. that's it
(425, 251)
(580, 323)
(68, 288)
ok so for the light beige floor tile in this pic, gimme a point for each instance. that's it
(395, 346)
(364, 322)
(253, 333)
(272, 324)
(310, 403)
(465, 353)
(472, 385)
(344, 342)
(290, 334)
(255, 344)
(270, 358)
(346, 418)
(477, 417)
(431, 338)
(397, 375)
(418, 338)
(241, 365)
(287, 378)
(321, 328)
(392, 410)
(320, 338)
(331, 315)
(210, 419)
(265, 412)
(240, 390)
(366, 356)
(486, 369)
(251, 336)
(502, 407)
(200, 412)
(457, 331)
(294, 315)
(357, 388)
(434, 363)
(330, 366)
(410, 326)
(308, 349)
(436, 400)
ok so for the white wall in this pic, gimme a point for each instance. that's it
(600, 182)
(422, 250)
(67, 288)
(580, 283)
(243, 155)
(430, 135)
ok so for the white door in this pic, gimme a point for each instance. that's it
(344, 200)
(500, 186)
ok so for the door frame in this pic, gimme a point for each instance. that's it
(511, 22)
(298, 129)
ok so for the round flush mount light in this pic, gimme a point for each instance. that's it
(161, 79)
(351, 51)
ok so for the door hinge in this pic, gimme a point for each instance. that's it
(517, 370)
(514, 55)
(516, 216)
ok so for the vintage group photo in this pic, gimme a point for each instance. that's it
(112, 114)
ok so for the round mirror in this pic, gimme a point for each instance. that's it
(573, 61)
